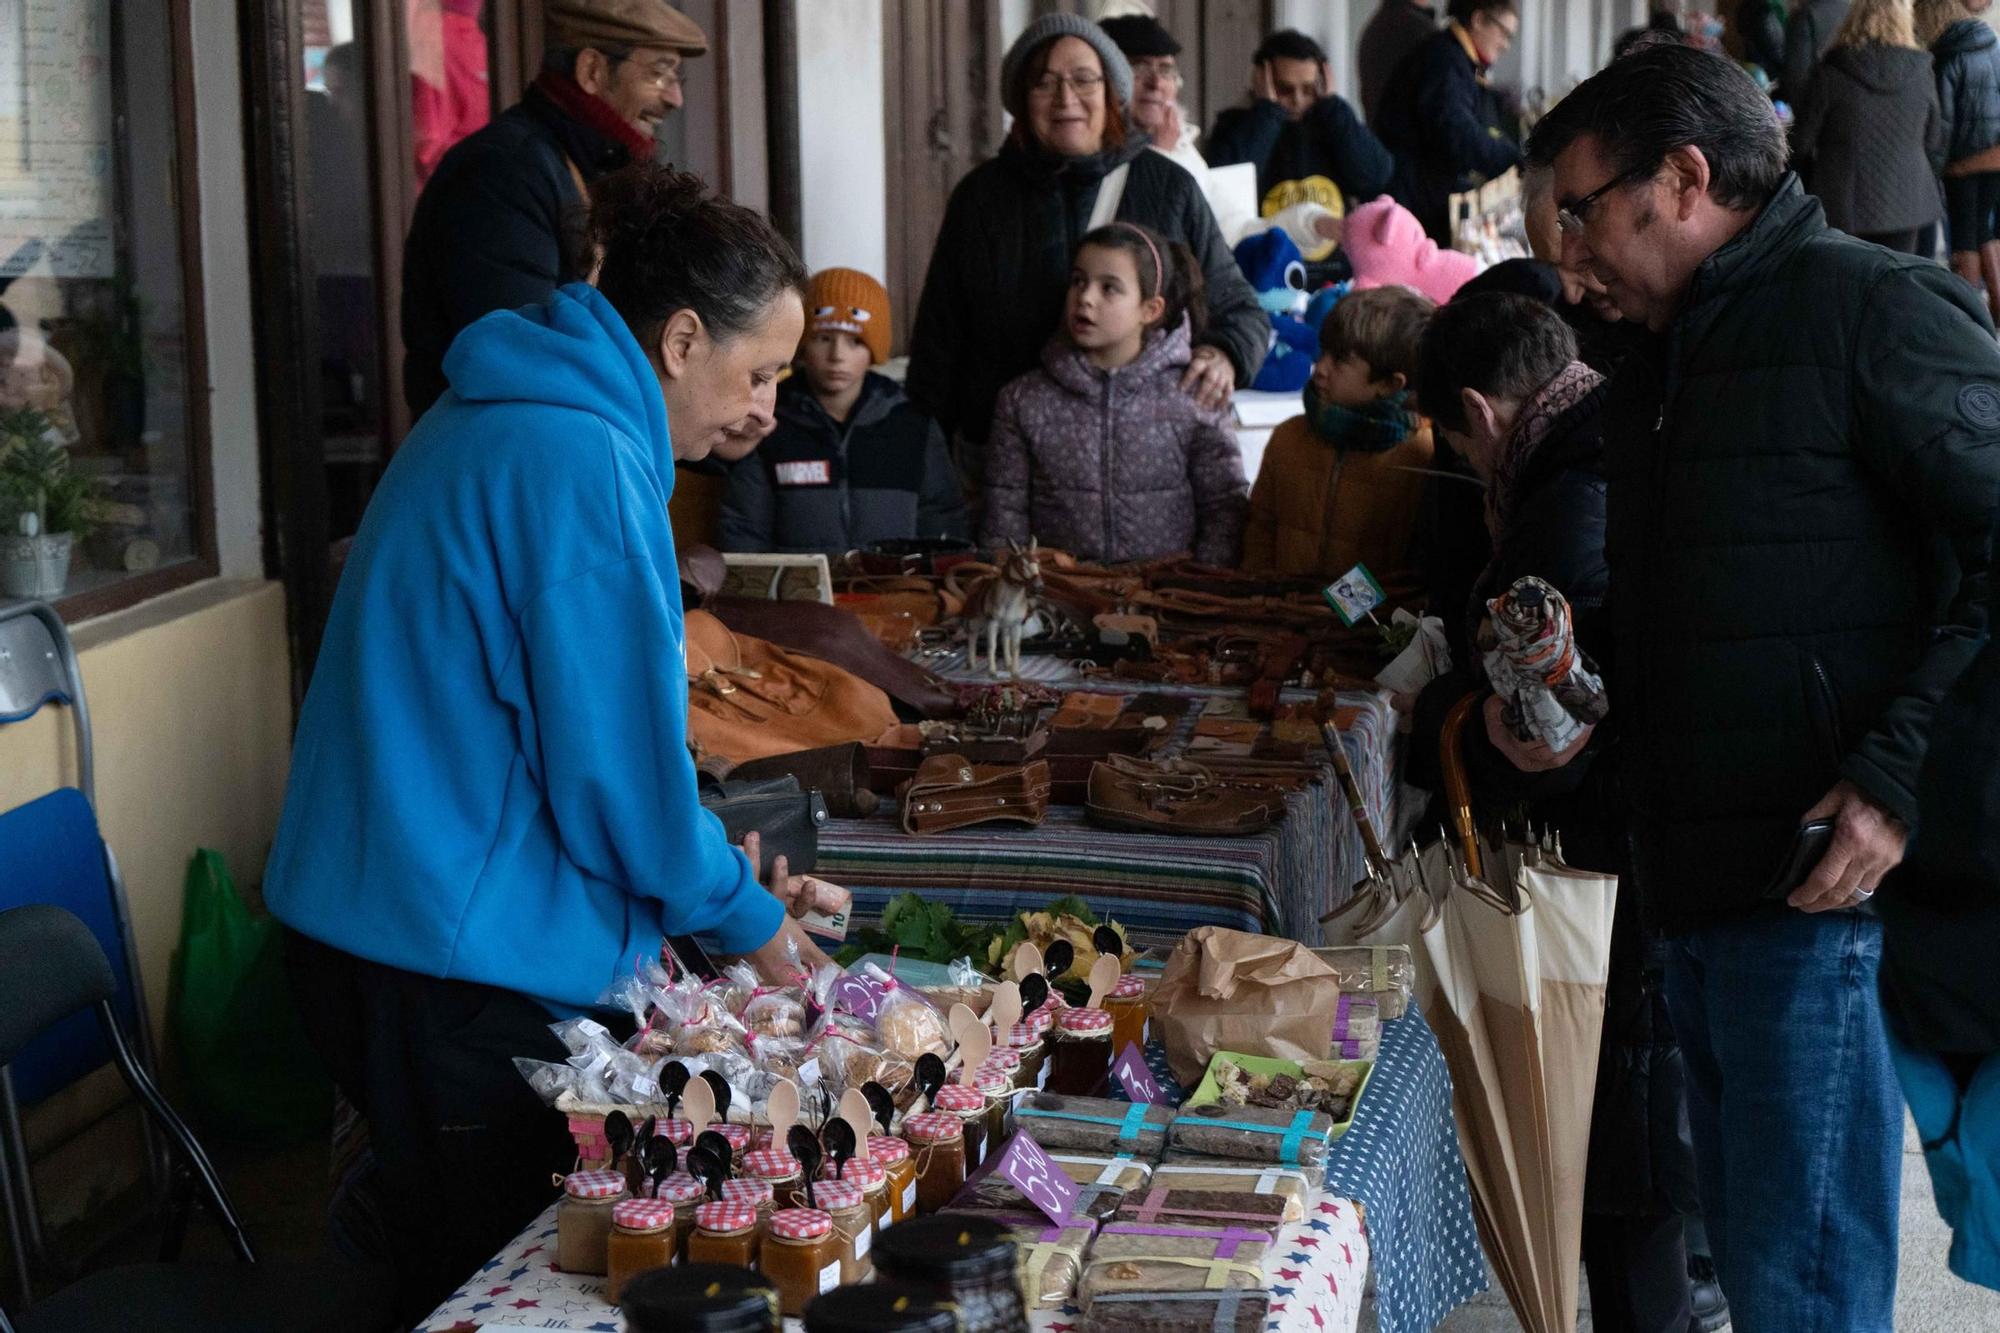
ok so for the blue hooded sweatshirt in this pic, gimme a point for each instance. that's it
(491, 780)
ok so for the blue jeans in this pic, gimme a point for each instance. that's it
(1797, 1118)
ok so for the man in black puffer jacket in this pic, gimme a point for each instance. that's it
(1803, 470)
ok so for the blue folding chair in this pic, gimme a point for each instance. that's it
(52, 853)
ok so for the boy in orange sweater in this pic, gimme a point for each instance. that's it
(1344, 484)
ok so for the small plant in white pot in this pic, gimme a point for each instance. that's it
(44, 506)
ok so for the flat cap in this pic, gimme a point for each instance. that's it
(622, 23)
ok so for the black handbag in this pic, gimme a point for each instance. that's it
(787, 818)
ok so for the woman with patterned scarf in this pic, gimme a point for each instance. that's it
(1499, 375)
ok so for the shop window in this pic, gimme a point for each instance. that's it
(104, 480)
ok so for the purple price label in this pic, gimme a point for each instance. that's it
(860, 996)
(1137, 1079)
(1028, 1169)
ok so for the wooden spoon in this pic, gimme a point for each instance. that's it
(1026, 959)
(1006, 1010)
(854, 1110)
(1104, 974)
(783, 1110)
(976, 1046)
(699, 1104)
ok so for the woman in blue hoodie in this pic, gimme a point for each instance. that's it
(492, 811)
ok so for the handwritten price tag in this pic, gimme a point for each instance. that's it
(1132, 1072)
(860, 996)
(1028, 1169)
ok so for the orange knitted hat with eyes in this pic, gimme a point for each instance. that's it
(849, 301)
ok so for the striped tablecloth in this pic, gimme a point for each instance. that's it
(1159, 886)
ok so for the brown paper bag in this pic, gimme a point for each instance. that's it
(1225, 990)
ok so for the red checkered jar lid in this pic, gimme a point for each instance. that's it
(680, 1133)
(800, 1223)
(756, 1193)
(680, 1188)
(993, 1082)
(643, 1214)
(737, 1136)
(888, 1151)
(1004, 1060)
(958, 1097)
(1130, 987)
(932, 1127)
(770, 1164)
(1084, 1020)
(594, 1184)
(1025, 1034)
(724, 1216)
(837, 1196)
(867, 1172)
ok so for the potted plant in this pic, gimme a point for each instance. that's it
(44, 506)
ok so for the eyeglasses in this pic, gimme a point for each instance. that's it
(1085, 85)
(1153, 68)
(1570, 220)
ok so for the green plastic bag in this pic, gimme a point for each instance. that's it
(247, 1065)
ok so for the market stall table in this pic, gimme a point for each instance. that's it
(1400, 1160)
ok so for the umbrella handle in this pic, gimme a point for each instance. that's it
(1457, 786)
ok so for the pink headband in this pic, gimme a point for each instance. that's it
(1159, 273)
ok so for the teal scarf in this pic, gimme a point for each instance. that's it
(1383, 424)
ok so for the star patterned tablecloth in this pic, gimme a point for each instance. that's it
(1316, 1274)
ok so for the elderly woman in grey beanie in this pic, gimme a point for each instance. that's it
(994, 292)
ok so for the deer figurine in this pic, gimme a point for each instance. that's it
(999, 605)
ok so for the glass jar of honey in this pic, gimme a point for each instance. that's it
(756, 1193)
(895, 1158)
(969, 1105)
(583, 1218)
(724, 1233)
(801, 1256)
(735, 1135)
(685, 1193)
(853, 1225)
(998, 1088)
(1025, 1041)
(778, 1169)
(1080, 1052)
(1131, 1006)
(937, 1142)
(642, 1238)
(872, 1177)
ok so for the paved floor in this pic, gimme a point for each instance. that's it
(1928, 1298)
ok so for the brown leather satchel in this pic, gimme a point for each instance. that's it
(748, 699)
(1177, 796)
(836, 636)
(950, 792)
(837, 772)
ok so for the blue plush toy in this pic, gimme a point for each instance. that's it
(1278, 273)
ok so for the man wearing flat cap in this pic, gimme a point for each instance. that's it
(497, 226)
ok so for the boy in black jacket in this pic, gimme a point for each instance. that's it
(852, 460)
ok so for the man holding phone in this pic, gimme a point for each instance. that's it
(1803, 466)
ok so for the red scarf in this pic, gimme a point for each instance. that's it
(595, 112)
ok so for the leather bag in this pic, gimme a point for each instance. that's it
(838, 772)
(1176, 796)
(748, 699)
(786, 817)
(951, 792)
(839, 637)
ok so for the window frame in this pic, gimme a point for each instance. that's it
(186, 176)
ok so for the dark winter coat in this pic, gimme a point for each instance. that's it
(1114, 464)
(1808, 34)
(496, 228)
(1968, 81)
(1803, 473)
(1940, 920)
(1762, 28)
(1329, 140)
(994, 291)
(1869, 139)
(1446, 129)
(816, 484)
(1397, 28)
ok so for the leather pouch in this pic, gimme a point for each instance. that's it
(951, 792)
(786, 817)
(1176, 796)
(838, 772)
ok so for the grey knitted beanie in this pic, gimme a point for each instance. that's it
(1049, 27)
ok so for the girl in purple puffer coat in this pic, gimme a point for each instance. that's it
(1100, 453)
